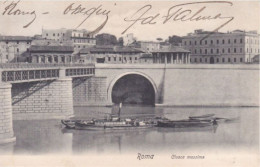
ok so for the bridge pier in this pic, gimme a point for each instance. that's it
(6, 120)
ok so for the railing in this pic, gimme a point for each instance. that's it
(26, 75)
(23, 72)
(41, 65)
(80, 71)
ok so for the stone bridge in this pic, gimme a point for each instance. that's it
(35, 91)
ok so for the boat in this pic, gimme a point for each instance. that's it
(185, 123)
(202, 117)
(113, 124)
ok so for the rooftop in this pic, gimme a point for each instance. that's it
(15, 38)
(173, 49)
(48, 48)
(110, 49)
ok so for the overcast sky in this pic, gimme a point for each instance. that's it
(246, 17)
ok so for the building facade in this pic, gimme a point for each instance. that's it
(109, 55)
(171, 55)
(14, 48)
(51, 54)
(79, 38)
(222, 48)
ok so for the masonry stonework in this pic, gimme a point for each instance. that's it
(43, 100)
(6, 120)
(89, 91)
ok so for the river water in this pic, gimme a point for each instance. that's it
(49, 136)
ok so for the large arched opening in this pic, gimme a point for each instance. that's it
(133, 88)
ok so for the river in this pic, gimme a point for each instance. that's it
(39, 137)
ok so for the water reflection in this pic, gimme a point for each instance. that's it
(49, 136)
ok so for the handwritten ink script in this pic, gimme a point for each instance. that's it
(180, 12)
(184, 12)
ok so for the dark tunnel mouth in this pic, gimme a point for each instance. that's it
(133, 89)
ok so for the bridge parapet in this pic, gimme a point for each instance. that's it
(16, 73)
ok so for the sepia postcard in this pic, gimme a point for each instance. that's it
(129, 83)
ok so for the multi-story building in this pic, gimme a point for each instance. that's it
(14, 48)
(109, 54)
(79, 38)
(147, 46)
(51, 54)
(128, 39)
(222, 48)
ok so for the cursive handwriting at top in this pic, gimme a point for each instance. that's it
(94, 11)
(13, 10)
(180, 12)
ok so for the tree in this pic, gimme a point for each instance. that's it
(106, 39)
(175, 40)
(159, 39)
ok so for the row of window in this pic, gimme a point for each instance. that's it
(120, 58)
(217, 51)
(218, 60)
(205, 42)
(17, 42)
(58, 34)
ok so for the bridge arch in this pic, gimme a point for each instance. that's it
(140, 74)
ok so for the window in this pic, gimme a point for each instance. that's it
(217, 60)
(206, 60)
(235, 50)
(190, 42)
(247, 50)
(211, 51)
(229, 41)
(195, 60)
(46, 34)
(184, 42)
(28, 42)
(114, 58)
(241, 50)
(211, 42)
(200, 42)
(195, 42)
(200, 51)
(109, 58)
(54, 35)
(17, 42)
(120, 59)
(223, 50)
(217, 50)
(78, 46)
(241, 40)
(217, 41)
(206, 42)
(58, 35)
(241, 59)
(223, 41)
(235, 40)
(130, 58)
(228, 50)
(235, 60)
(27, 49)
(229, 60)
(195, 51)
(223, 60)
(6, 42)
(206, 51)
(6, 57)
(17, 49)
(200, 59)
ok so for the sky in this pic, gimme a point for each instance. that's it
(245, 14)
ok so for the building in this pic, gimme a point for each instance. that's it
(128, 39)
(51, 54)
(171, 55)
(14, 48)
(109, 54)
(147, 46)
(79, 38)
(222, 48)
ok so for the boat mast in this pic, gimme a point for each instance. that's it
(120, 106)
